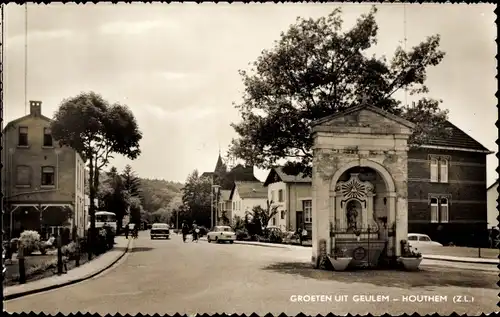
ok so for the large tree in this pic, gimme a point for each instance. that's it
(97, 130)
(131, 182)
(196, 198)
(315, 70)
(114, 195)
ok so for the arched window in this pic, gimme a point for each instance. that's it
(434, 170)
(443, 210)
(434, 210)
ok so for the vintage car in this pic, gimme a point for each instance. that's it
(221, 234)
(159, 230)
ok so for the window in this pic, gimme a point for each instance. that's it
(443, 170)
(412, 238)
(424, 238)
(283, 212)
(23, 176)
(47, 137)
(48, 178)
(273, 199)
(23, 136)
(443, 210)
(280, 195)
(274, 221)
(434, 170)
(439, 209)
(434, 209)
(439, 170)
(307, 207)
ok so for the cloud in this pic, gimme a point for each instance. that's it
(40, 36)
(184, 114)
(136, 27)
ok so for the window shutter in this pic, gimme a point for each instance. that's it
(434, 170)
(444, 171)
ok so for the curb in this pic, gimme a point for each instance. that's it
(77, 280)
(460, 261)
(287, 246)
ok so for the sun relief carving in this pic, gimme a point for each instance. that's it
(354, 188)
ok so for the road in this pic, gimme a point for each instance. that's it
(169, 276)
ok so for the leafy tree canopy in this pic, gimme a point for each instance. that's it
(196, 199)
(315, 70)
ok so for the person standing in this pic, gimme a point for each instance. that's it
(126, 231)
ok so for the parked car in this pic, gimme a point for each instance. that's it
(220, 234)
(273, 234)
(418, 240)
(160, 230)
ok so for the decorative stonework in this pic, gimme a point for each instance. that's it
(354, 188)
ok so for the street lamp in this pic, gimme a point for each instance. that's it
(213, 220)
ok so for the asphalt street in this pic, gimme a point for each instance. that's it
(169, 276)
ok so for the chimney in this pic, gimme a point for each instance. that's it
(35, 108)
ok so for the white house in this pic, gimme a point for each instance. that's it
(292, 194)
(245, 196)
(492, 194)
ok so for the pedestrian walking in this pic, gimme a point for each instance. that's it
(185, 230)
(196, 230)
(126, 231)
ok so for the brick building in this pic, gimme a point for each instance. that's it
(447, 189)
(43, 182)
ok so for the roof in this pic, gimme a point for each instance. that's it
(249, 190)
(207, 174)
(15, 121)
(277, 174)
(458, 139)
(492, 185)
(225, 194)
(374, 109)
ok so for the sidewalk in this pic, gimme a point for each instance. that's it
(429, 257)
(86, 271)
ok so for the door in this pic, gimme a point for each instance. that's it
(299, 220)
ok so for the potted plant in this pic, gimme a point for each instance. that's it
(410, 259)
(340, 260)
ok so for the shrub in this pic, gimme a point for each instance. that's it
(69, 250)
(30, 240)
(241, 234)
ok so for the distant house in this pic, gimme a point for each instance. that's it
(225, 205)
(43, 183)
(292, 194)
(246, 195)
(492, 193)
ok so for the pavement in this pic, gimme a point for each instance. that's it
(425, 256)
(169, 276)
(78, 274)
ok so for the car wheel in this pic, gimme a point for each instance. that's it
(216, 239)
(231, 241)
(168, 237)
(208, 240)
(152, 238)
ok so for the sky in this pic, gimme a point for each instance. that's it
(176, 66)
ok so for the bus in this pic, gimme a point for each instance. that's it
(103, 218)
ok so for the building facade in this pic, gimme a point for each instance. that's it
(44, 183)
(292, 195)
(246, 195)
(447, 189)
(492, 194)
